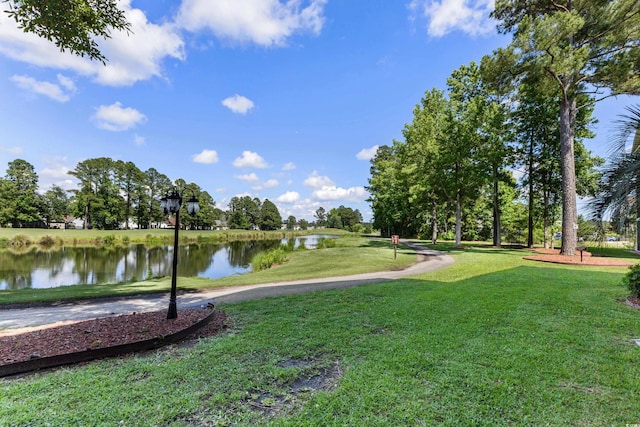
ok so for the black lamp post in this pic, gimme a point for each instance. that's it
(171, 203)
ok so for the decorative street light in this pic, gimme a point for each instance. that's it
(171, 203)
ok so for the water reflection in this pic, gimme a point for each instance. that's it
(38, 268)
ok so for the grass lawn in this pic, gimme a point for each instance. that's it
(492, 340)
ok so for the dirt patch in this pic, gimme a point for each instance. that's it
(633, 302)
(553, 255)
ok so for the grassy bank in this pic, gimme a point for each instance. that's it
(492, 340)
(352, 255)
(37, 236)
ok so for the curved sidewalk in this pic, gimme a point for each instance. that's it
(428, 260)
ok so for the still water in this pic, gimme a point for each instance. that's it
(39, 268)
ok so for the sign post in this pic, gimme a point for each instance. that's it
(395, 239)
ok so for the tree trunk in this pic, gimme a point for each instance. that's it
(458, 220)
(569, 206)
(86, 217)
(497, 235)
(545, 202)
(434, 221)
(127, 212)
(530, 170)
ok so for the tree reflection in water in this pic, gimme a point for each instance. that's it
(38, 268)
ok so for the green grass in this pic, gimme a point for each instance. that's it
(352, 255)
(492, 340)
(612, 251)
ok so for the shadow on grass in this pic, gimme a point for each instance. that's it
(474, 247)
(605, 251)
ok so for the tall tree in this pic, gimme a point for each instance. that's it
(55, 204)
(583, 46)
(388, 194)
(97, 200)
(463, 174)
(291, 222)
(243, 213)
(128, 178)
(321, 217)
(495, 130)
(419, 158)
(270, 218)
(155, 184)
(71, 24)
(18, 191)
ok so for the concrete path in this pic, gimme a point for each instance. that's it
(428, 260)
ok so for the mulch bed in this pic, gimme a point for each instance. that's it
(53, 340)
(553, 255)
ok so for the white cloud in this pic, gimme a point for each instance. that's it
(353, 194)
(263, 22)
(289, 197)
(139, 140)
(206, 156)
(60, 91)
(116, 118)
(56, 173)
(445, 16)
(270, 183)
(316, 181)
(250, 159)
(289, 166)
(238, 104)
(367, 153)
(131, 56)
(11, 150)
(252, 177)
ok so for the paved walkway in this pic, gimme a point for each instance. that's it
(428, 260)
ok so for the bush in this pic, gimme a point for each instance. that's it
(20, 240)
(265, 260)
(632, 280)
(46, 241)
(325, 243)
(448, 235)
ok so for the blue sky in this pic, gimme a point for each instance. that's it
(285, 100)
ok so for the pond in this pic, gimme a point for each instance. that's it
(66, 266)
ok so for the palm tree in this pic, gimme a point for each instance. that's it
(620, 183)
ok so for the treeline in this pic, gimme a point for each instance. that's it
(247, 213)
(526, 107)
(111, 194)
(114, 194)
(453, 174)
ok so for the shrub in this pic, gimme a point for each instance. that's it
(632, 280)
(289, 246)
(265, 260)
(20, 240)
(448, 235)
(47, 241)
(326, 242)
(126, 240)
